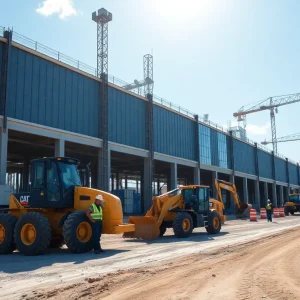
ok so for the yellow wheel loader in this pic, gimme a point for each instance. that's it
(293, 205)
(242, 208)
(53, 212)
(182, 209)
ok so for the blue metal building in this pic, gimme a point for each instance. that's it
(42, 96)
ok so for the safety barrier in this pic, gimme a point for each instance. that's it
(281, 212)
(276, 213)
(253, 215)
(263, 213)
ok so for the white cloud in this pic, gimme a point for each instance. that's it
(253, 129)
(258, 130)
(64, 8)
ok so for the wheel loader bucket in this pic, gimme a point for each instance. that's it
(244, 210)
(146, 228)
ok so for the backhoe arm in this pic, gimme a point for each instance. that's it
(228, 186)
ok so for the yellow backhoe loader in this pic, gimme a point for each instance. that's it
(52, 213)
(182, 209)
(292, 205)
(242, 208)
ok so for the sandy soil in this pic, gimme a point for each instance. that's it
(235, 264)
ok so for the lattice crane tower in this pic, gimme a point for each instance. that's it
(102, 19)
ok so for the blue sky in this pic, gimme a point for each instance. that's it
(209, 56)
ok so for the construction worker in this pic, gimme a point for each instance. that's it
(269, 209)
(94, 213)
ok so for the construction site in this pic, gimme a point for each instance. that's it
(184, 198)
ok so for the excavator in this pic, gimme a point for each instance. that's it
(53, 212)
(242, 208)
(182, 209)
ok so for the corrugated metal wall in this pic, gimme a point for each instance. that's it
(214, 147)
(127, 119)
(1, 49)
(173, 134)
(293, 173)
(243, 157)
(265, 164)
(280, 169)
(42, 92)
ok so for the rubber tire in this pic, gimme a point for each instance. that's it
(210, 229)
(43, 234)
(162, 230)
(70, 236)
(177, 225)
(286, 211)
(8, 222)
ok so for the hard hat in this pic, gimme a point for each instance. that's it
(269, 200)
(99, 197)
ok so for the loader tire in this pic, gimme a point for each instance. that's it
(77, 232)
(32, 234)
(214, 223)
(286, 211)
(7, 226)
(183, 225)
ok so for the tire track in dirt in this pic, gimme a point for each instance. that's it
(262, 268)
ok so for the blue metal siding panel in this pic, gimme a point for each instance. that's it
(1, 49)
(243, 157)
(173, 134)
(280, 169)
(44, 93)
(214, 147)
(293, 174)
(127, 119)
(264, 164)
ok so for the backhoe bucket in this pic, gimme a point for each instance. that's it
(244, 210)
(146, 228)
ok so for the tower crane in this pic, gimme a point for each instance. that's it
(271, 104)
(287, 138)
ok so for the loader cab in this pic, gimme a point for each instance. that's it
(52, 182)
(196, 198)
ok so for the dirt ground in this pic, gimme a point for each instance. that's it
(246, 261)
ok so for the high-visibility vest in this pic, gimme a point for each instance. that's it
(97, 213)
(268, 206)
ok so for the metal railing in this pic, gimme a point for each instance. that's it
(29, 43)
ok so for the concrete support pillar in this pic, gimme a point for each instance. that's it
(146, 185)
(99, 175)
(266, 193)
(126, 182)
(59, 148)
(232, 180)
(3, 155)
(245, 191)
(287, 192)
(196, 176)
(173, 176)
(274, 192)
(112, 182)
(257, 194)
(214, 191)
(281, 195)
(25, 174)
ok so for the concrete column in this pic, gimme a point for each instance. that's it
(59, 148)
(112, 182)
(274, 192)
(173, 176)
(196, 176)
(146, 185)
(126, 182)
(281, 195)
(3, 155)
(214, 191)
(257, 194)
(25, 174)
(98, 180)
(245, 190)
(232, 203)
(287, 192)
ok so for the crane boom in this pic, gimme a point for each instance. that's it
(287, 138)
(270, 104)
